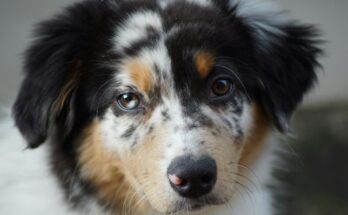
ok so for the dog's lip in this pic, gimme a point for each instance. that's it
(193, 205)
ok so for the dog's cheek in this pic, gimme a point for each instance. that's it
(139, 145)
(225, 142)
(146, 167)
(247, 143)
(109, 163)
(120, 133)
(100, 167)
(235, 161)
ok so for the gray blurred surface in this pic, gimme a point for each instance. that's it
(17, 18)
(332, 18)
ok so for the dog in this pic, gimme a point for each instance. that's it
(155, 106)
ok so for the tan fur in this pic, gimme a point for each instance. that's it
(123, 180)
(104, 170)
(146, 170)
(204, 61)
(141, 74)
(68, 87)
(257, 136)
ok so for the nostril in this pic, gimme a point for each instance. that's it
(207, 179)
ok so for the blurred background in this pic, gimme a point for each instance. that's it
(320, 124)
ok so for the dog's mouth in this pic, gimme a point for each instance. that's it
(185, 204)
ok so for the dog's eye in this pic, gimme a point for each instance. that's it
(221, 87)
(128, 101)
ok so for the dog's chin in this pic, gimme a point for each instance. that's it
(187, 205)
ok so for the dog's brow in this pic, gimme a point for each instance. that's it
(204, 61)
(141, 74)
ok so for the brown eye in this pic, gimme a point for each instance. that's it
(128, 101)
(221, 87)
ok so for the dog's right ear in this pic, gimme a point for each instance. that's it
(54, 65)
(46, 69)
(50, 68)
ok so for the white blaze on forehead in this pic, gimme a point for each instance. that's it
(134, 28)
(158, 57)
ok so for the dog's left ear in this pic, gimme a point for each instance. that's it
(286, 55)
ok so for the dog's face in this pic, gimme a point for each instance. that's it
(154, 101)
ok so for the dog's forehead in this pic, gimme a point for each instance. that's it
(155, 53)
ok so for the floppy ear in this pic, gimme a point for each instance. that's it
(288, 70)
(286, 55)
(50, 69)
(54, 65)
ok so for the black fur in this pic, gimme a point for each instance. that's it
(287, 70)
(76, 45)
(49, 64)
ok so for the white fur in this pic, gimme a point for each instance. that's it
(158, 56)
(112, 129)
(134, 28)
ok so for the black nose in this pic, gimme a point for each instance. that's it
(191, 177)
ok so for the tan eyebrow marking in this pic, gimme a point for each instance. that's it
(141, 74)
(204, 61)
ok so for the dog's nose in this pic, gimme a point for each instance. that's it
(192, 177)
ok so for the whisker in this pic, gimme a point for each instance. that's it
(250, 172)
(249, 193)
(248, 180)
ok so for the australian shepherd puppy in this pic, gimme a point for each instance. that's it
(155, 105)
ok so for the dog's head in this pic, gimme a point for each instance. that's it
(156, 100)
